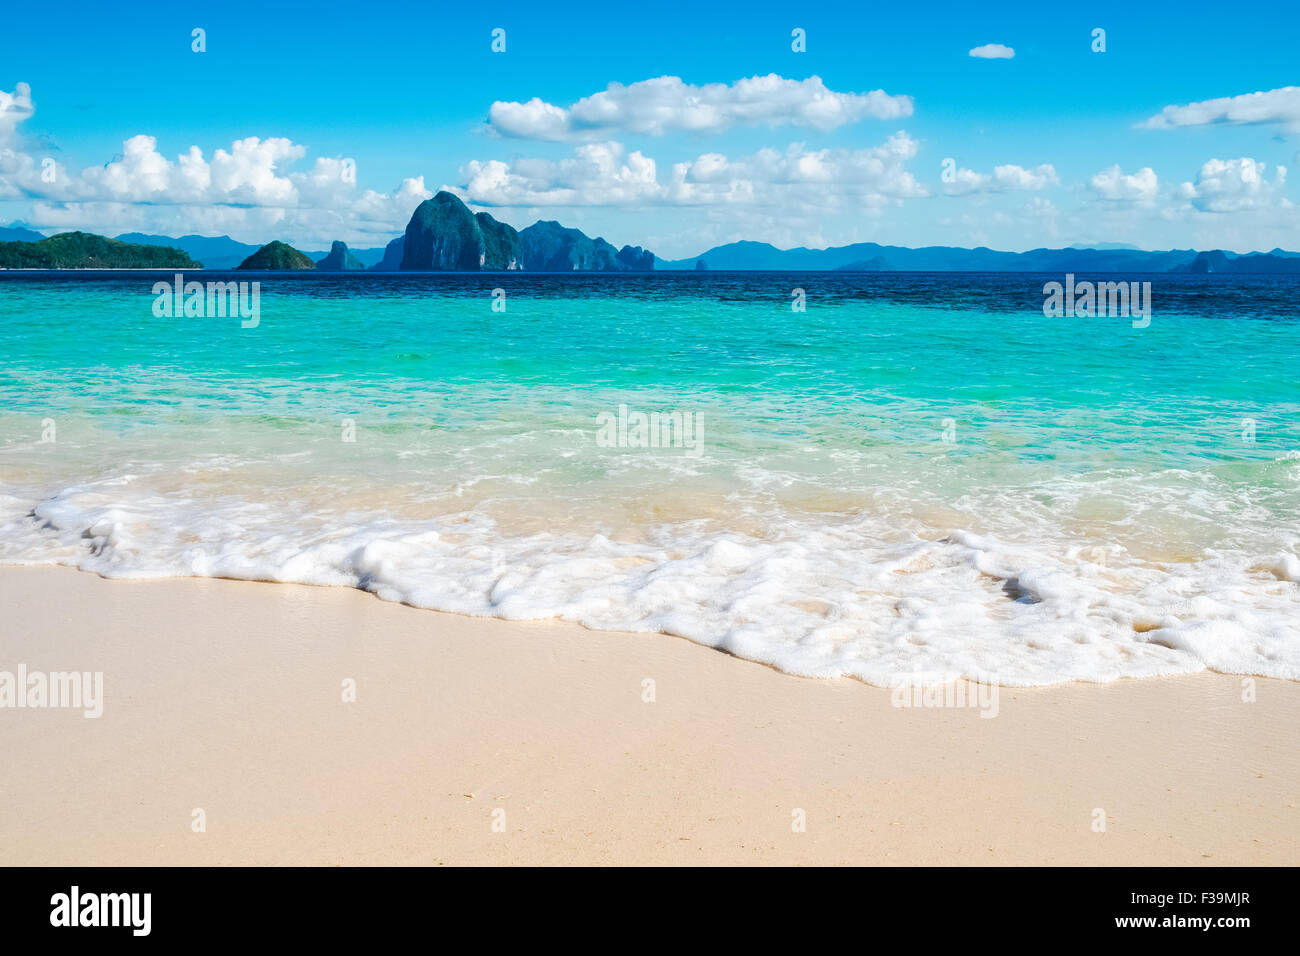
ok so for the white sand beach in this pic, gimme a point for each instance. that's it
(228, 697)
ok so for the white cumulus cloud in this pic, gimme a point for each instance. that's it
(249, 190)
(601, 174)
(667, 103)
(596, 174)
(1005, 178)
(993, 51)
(250, 172)
(1235, 185)
(14, 108)
(1111, 184)
(1271, 106)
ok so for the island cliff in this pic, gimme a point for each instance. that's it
(443, 235)
(340, 260)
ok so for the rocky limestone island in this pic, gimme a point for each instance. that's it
(277, 255)
(84, 250)
(636, 258)
(340, 260)
(550, 247)
(443, 235)
(392, 260)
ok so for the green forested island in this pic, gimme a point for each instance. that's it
(82, 250)
(277, 255)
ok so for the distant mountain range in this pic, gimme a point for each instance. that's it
(17, 232)
(443, 234)
(872, 257)
(1254, 264)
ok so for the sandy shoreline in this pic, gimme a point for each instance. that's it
(227, 696)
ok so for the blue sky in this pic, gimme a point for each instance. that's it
(1054, 145)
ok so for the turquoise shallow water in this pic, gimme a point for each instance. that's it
(919, 474)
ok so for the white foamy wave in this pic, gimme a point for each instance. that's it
(811, 596)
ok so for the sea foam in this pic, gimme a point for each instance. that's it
(810, 596)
